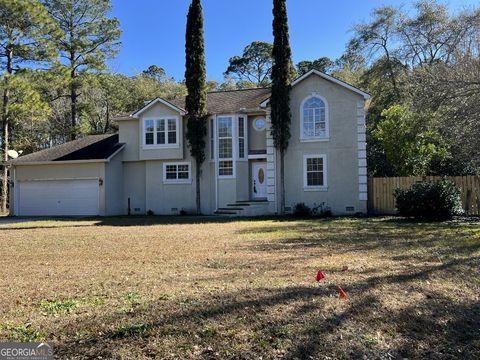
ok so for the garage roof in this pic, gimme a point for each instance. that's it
(93, 147)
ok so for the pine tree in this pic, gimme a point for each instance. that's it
(92, 37)
(280, 98)
(195, 80)
(26, 34)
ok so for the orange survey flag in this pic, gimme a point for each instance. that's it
(320, 276)
(342, 293)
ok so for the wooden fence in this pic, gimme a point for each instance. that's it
(382, 202)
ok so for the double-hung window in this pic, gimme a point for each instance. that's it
(161, 132)
(225, 146)
(241, 137)
(315, 172)
(176, 173)
(314, 115)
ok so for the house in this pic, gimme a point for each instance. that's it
(147, 166)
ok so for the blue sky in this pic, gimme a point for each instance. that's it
(154, 30)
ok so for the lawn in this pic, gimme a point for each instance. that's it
(140, 288)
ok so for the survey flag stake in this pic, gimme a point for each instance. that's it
(342, 293)
(320, 276)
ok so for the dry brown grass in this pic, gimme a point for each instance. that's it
(138, 288)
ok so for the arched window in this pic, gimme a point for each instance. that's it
(314, 115)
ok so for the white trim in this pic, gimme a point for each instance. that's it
(60, 179)
(161, 146)
(245, 131)
(177, 181)
(116, 152)
(304, 138)
(365, 95)
(63, 162)
(155, 101)
(324, 187)
(233, 118)
(257, 157)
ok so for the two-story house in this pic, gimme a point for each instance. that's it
(147, 166)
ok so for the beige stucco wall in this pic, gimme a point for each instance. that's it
(62, 172)
(243, 181)
(114, 204)
(134, 183)
(131, 133)
(256, 139)
(128, 134)
(341, 149)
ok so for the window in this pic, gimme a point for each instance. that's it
(225, 168)
(314, 124)
(225, 146)
(315, 172)
(212, 140)
(259, 124)
(161, 132)
(241, 138)
(176, 173)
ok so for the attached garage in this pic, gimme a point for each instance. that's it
(79, 178)
(59, 198)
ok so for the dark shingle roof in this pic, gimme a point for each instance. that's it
(93, 147)
(226, 102)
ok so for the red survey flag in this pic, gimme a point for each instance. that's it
(342, 293)
(320, 276)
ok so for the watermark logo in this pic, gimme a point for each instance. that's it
(26, 351)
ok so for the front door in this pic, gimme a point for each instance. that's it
(259, 180)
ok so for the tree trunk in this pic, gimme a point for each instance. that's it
(5, 130)
(282, 182)
(73, 107)
(197, 186)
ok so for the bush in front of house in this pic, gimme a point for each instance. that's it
(429, 201)
(304, 211)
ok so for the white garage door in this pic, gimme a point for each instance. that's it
(58, 198)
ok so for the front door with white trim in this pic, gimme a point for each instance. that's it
(259, 180)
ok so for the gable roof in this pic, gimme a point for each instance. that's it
(89, 148)
(365, 95)
(231, 101)
(162, 101)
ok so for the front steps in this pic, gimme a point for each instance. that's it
(245, 209)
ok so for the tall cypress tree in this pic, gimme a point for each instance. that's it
(195, 80)
(280, 98)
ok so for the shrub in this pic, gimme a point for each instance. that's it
(304, 211)
(429, 201)
(321, 210)
(301, 210)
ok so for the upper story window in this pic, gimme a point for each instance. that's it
(241, 137)
(160, 132)
(314, 118)
(225, 146)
